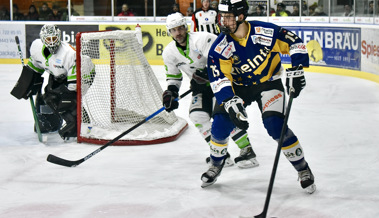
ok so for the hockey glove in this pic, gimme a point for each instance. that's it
(295, 79)
(169, 97)
(199, 81)
(237, 113)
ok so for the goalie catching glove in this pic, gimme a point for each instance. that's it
(295, 79)
(169, 97)
(237, 113)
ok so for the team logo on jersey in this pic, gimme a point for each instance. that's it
(228, 51)
(180, 64)
(298, 48)
(221, 46)
(258, 39)
(264, 31)
(219, 84)
(236, 59)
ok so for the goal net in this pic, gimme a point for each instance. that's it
(117, 89)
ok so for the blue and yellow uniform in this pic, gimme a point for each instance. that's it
(251, 69)
(254, 59)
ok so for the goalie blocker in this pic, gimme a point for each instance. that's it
(29, 83)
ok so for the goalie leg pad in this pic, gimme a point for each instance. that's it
(29, 83)
(60, 99)
(47, 119)
(70, 128)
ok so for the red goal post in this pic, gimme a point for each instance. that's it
(117, 88)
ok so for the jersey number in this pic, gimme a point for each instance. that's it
(215, 72)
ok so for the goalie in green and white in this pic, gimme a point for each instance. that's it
(58, 101)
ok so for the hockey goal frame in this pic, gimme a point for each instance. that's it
(121, 142)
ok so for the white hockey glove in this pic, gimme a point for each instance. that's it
(295, 79)
(237, 112)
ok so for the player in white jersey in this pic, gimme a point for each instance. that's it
(204, 19)
(49, 54)
(188, 53)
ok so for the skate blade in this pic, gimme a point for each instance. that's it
(245, 164)
(206, 184)
(310, 189)
(228, 162)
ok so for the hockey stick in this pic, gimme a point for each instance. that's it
(36, 123)
(280, 143)
(68, 163)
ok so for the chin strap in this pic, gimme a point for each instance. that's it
(238, 24)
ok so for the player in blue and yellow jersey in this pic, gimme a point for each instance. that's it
(244, 66)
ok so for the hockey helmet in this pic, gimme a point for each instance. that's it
(281, 5)
(237, 7)
(175, 20)
(51, 37)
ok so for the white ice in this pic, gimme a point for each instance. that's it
(336, 119)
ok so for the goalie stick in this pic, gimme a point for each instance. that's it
(69, 163)
(36, 123)
(276, 161)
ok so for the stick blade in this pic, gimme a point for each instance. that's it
(59, 161)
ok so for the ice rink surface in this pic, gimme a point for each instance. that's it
(336, 119)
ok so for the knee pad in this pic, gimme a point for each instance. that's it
(202, 122)
(222, 126)
(273, 125)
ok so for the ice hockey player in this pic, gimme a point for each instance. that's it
(244, 66)
(188, 53)
(50, 54)
(204, 19)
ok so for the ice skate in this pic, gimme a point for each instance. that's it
(210, 177)
(247, 158)
(307, 180)
(228, 161)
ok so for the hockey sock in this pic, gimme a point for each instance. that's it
(240, 137)
(294, 153)
(218, 152)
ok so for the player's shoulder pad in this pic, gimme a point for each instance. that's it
(219, 45)
(167, 51)
(36, 46)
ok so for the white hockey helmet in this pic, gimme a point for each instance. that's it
(175, 20)
(51, 37)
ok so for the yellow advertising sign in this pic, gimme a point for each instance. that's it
(155, 39)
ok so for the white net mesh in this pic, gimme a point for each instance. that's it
(119, 89)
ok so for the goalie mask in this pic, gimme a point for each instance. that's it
(51, 37)
(175, 20)
(236, 7)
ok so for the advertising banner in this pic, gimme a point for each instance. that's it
(8, 47)
(370, 51)
(330, 46)
(154, 38)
